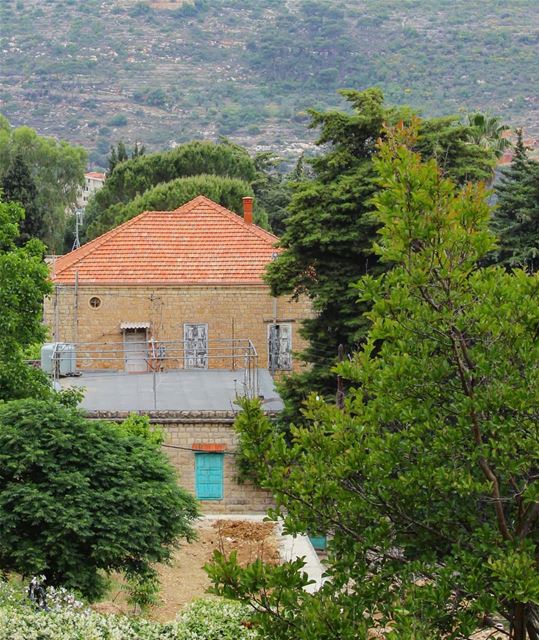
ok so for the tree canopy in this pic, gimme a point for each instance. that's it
(171, 195)
(134, 177)
(516, 217)
(330, 229)
(24, 277)
(57, 170)
(80, 499)
(426, 482)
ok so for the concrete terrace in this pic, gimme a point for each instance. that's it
(182, 390)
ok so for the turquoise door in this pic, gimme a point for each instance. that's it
(318, 542)
(209, 476)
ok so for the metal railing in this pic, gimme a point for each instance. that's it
(161, 356)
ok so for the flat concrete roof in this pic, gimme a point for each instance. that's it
(183, 390)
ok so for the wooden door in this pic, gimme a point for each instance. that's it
(135, 350)
(209, 476)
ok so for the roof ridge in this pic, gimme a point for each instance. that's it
(94, 244)
(114, 254)
(253, 228)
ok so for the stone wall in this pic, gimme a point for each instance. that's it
(182, 430)
(229, 311)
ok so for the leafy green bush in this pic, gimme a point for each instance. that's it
(67, 620)
(119, 120)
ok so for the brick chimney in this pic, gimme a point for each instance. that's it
(248, 210)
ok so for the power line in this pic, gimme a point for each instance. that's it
(176, 446)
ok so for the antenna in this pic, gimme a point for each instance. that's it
(79, 216)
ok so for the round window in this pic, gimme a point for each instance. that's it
(95, 302)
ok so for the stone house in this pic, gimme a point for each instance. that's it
(175, 289)
(180, 293)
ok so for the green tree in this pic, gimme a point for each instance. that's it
(427, 481)
(516, 217)
(23, 285)
(488, 132)
(327, 243)
(80, 499)
(117, 154)
(132, 178)
(171, 195)
(57, 169)
(273, 188)
(18, 186)
(120, 154)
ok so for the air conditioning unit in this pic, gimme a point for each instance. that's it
(60, 355)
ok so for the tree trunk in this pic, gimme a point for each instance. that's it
(518, 631)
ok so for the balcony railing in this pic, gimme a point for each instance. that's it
(159, 357)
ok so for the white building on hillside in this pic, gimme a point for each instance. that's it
(93, 181)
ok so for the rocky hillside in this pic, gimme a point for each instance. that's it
(97, 71)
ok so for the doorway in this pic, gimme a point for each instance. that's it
(135, 350)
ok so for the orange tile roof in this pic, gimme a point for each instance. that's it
(199, 243)
(96, 175)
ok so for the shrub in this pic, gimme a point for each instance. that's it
(67, 620)
(119, 120)
(80, 499)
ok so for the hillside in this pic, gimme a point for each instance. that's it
(164, 72)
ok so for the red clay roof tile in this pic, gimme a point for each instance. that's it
(199, 243)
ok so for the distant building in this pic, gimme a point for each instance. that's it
(93, 181)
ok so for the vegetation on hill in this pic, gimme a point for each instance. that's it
(163, 73)
(426, 479)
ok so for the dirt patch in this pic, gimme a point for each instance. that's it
(250, 540)
(184, 580)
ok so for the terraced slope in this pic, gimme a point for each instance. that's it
(165, 72)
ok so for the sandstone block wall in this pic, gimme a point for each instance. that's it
(182, 430)
(237, 498)
(230, 312)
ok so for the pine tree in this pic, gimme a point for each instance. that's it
(330, 230)
(19, 186)
(138, 150)
(516, 219)
(119, 154)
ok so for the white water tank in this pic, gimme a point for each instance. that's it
(60, 354)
